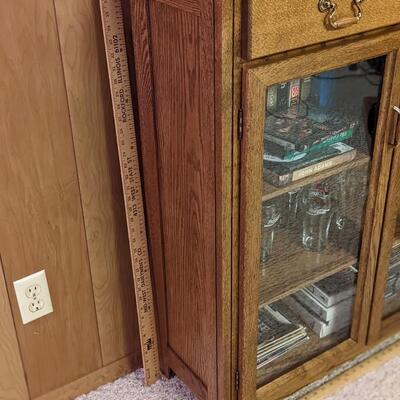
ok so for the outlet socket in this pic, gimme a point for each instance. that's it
(33, 296)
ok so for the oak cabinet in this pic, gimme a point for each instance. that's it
(302, 23)
(271, 189)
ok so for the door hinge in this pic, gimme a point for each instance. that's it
(237, 380)
(240, 124)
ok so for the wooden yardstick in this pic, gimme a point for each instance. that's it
(118, 72)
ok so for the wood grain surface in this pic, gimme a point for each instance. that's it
(181, 62)
(95, 379)
(257, 80)
(375, 207)
(310, 371)
(148, 145)
(83, 58)
(226, 312)
(379, 311)
(190, 6)
(301, 24)
(186, 153)
(250, 229)
(41, 217)
(12, 379)
(236, 209)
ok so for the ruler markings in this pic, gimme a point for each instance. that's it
(117, 63)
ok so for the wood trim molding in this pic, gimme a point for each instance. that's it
(377, 325)
(185, 373)
(92, 381)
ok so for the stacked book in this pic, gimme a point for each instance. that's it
(277, 335)
(299, 144)
(326, 306)
(393, 281)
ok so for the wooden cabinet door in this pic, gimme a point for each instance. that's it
(385, 314)
(313, 184)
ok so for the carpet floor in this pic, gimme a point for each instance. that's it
(381, 383)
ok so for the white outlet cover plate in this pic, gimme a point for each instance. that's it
(26, 303)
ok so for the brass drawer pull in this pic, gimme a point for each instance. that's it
(330, 7)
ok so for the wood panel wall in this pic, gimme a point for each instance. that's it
(61, 205)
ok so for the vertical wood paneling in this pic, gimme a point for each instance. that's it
(89, 100)
(12, 379)
(41, 222)
(183, 77)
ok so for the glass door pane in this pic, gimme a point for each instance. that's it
(318, 144)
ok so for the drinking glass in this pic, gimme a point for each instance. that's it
(291, 209)
(270, 219)
(317, 218)
(339, 196)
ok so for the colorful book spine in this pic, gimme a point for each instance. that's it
(294, 93)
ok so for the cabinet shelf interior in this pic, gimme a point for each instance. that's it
(300, 354)
(294, 268)
(271, 192)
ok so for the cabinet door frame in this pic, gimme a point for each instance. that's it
(381, 327)
(257, 76)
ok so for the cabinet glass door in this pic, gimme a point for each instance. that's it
(386, 304)
(319, 137)
(311, 164)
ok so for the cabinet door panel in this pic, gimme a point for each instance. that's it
(386, 303)
(315, 128)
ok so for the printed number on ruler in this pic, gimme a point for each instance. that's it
(118, 70)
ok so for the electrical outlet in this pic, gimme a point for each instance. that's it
(33, 296)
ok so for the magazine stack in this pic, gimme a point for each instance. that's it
(277, 335)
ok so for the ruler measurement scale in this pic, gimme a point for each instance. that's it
(118, 71)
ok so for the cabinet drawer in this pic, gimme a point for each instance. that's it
(272, 26)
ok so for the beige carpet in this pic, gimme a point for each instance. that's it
(380, 384)
(373, 376)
